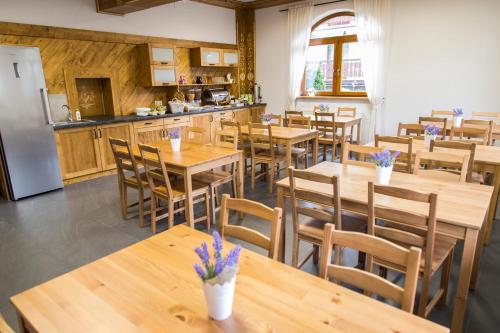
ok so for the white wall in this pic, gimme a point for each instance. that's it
(444, 53)
(191, 20)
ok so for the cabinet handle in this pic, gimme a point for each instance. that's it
(100, 133)
(95, 134)
(164, 62)
(211, 64)
(177, 119)
(148, 123)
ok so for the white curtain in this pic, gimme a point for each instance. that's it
(299, 31)
(374, 21)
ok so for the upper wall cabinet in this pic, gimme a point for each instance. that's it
(210, 57)
(157, 63)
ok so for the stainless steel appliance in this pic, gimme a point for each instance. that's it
(257, 93)
(215, 97)
(28, 150)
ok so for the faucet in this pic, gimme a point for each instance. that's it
(69, 115)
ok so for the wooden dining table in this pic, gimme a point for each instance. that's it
(151, 286)
(461, 211)
(343, 123)
(486, 159)
(195, 158)
(286, 136)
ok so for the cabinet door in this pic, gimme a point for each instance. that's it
(116, 131)
(210, 57)
(79, 152)
(162, 55)
(230, 57)
(204, 121)
(242, 116)
(148, 131)
(163, 75)
(256, 112)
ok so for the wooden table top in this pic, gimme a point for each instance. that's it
(462, 204)
(152, 287)
(484, 154)
(340, 120)
(191, 154)
(280, 132)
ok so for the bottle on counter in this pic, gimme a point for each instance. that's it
(78, 115)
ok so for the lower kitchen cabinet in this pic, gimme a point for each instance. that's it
(242, 116)
(256, 112)
(203, 121)
(116, 131)
(148, 131)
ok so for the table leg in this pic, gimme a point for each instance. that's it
(358, 133)
(288, 155)
(470, 243)
(493, 206)
(241, 180)
(22, 325)
(188, 188)
(281, 204)
(315, 150)
(477, 260)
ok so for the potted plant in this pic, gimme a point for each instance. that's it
(174, 134)
(266, 118)
(218, 276)
(430, 133)
(384, 161)
(458, 115)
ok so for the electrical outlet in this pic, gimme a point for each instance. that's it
(158, 103)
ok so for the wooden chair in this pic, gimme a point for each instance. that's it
(413, 230)
(370, 283)
(403, 162)
(436, 121)
(346, 111)
(445, 163)
(291, 113)
(264, 152)
(4, 327)
(325, 124)
(195, 134)
(415, 131)
(362, 152)
(301, 150)
(126, 162)
(442, 113)
(216, 178)
(172, 192)
(480, 136)
(484, 124)
(242, 144)
(494, 116)
(468, 148)
(318, 209)
(272, 215)
(276, 120)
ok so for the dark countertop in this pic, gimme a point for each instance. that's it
(104, 120)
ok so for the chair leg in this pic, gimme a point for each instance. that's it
(141, 207)
(445, 278)
(252, 174)
(271, 178)
(306, 158)
(212, 202)
(123, 200)
(295, 250)
(296, 161)
(153, 213)
(171, 214)
(324, 152)
(424, 293)
(315, 254)
(235, 189)
(207, 208)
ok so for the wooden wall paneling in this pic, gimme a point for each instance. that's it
(122, 7)
(245, 29)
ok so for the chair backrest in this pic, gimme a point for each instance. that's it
(408, 259)
(276, 119)
(413, 130)
(309, 202)
(362, 154)
(443, 162)
(403, 161)
(436, 121)
(406, 228)
(4, 327)
(346, 111)
(195, 134)
(299, 122)
(291, 113)
(227, 138)
(495, 116)
(124, 158)
(484, 124)
(154, 167)
(272, 215)
(233, 125)
(325, 123)
(442, 113)
(470, 134)
(261, 138)
(467, 147)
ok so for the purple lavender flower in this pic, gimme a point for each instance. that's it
(199, 271)
(203, 254)
(232, 257)
(266, 117)
(432, 130)
(174, 133)
(217, 244)
(219, 265)
(385, 158)
(459, 112)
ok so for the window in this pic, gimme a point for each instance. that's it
(333, 62)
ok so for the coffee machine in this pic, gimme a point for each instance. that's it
(257, 93)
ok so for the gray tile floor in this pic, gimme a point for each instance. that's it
(50, 234)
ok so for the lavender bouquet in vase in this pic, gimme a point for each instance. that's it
(266, 118)
(384, 162)
(218, 276)
(430, 133)
(174, 134)
(458, 115)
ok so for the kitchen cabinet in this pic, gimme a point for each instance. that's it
(242, 116)
(157, 64)
(204, 121)
(181, 122)
(256, 112)
(147, 131)
(116, 131)
(161, 54)
(217, 117)
(230, 58)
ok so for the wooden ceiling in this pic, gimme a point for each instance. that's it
(122, 7)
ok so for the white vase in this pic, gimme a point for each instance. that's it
(267, 123)
(219, 299)
(457, 121)
(176, 144)
(383, 175)
(428, 139)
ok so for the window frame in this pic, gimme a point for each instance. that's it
(337, 60)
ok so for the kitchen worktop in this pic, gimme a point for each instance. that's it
(103, 120)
